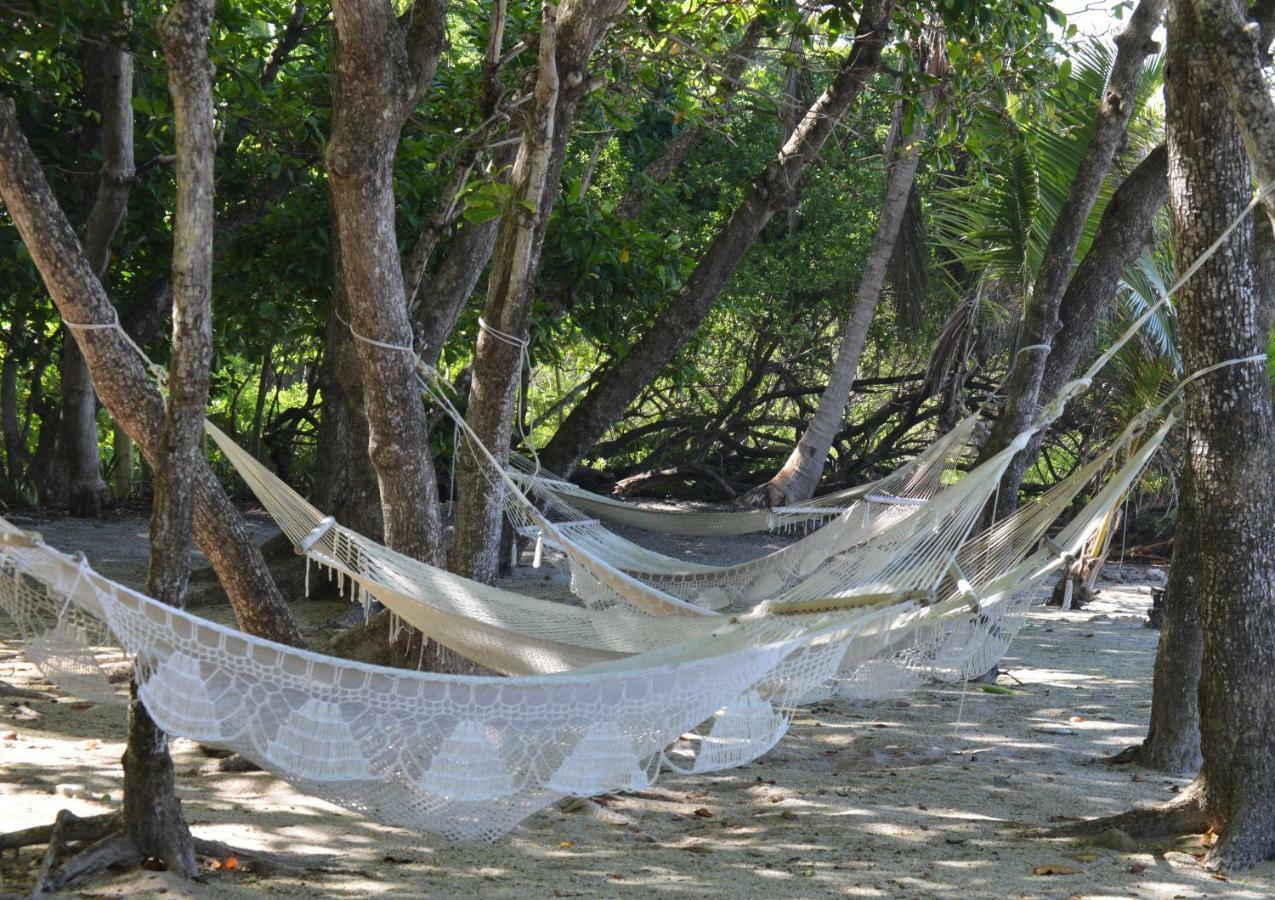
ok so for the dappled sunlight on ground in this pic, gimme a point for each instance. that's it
(885, 799)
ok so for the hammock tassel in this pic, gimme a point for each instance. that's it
(540, 546)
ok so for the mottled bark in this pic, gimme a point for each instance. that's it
(123, 385)
(1237, 49)
(381, 70)
(568, 38)
(616, 386)
(1040, 311)
(1230, 417)
(1231, 437)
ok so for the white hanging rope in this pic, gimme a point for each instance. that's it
(159, 373)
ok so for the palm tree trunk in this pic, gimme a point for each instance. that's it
(1040, 313)
(797, 479)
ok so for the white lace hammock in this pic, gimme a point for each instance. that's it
(905, 481)
(467, 757)
(470, 757)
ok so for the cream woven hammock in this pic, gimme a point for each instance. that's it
(738, 587)
(464, 756)
(903, 482)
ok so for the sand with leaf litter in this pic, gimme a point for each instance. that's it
(939, 793)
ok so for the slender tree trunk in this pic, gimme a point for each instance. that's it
(567, 41)
(84, 485)
(381, 71)
(507, 313)
(445, 295)
(616, 386)
(153, 816)
(123, 385)
(1125, 230)
(78, 438)
(1040, 312)
(14, 455)
(796, 480)
(259, 408)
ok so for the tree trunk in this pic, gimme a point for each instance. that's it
(1125, 230)
(566, 43)
(1173, 737)
(507, 317)
(1040, 311)
(14, 452)
(1231, 436)
(345, 484)
(84, 484)
(122, 383)
(259, 408)
(797, 479)
(380, 72)
(153, 816)
(616, 386)
(78, 435)
(125, 462)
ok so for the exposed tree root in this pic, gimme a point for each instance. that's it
(8, 690)
(79, 848)
(1180, 816)
(74, 829)
(1165, 758)
(262, 862)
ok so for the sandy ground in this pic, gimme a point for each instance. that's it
(940, 793)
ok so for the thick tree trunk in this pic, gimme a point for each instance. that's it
(123, 385)
(1173, 736)
(1040, 312)
(1237, 48)
(797, 479)
(1231, 436)
(445, 296)
(616, 386)
(567, 41)
(381, 71)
